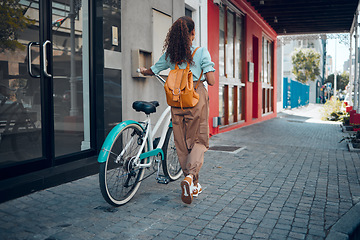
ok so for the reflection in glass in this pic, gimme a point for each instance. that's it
(20, 114)
(69, 77)
(265, 62)
(238, 45)
(270, 99)
(221, 104)
(231, 104)
(269, 62)
(230, 45)
(222, 42)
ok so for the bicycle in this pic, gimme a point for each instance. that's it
(130, 148)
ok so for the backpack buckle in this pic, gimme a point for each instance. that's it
(176, 94)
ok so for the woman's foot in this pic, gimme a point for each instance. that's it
(197, 190)
(187, 189)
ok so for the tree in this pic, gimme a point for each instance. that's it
(306, 64)
(341, 80)
(12, 21)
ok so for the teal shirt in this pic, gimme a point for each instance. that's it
(202, 61)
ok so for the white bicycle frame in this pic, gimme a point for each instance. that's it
(151, 133)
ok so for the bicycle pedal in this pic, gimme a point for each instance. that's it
(163, 179)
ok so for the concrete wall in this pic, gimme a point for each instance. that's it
(136, 33)
(199, 10)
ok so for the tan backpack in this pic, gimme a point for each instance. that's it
(179, 87)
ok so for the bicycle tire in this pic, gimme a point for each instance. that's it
(171, 164)
(120, 179)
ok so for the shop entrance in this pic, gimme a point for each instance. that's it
(44, 86)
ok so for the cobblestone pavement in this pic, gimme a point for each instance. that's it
(291, 180)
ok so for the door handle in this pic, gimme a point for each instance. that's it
(45, 58)
(30, 59)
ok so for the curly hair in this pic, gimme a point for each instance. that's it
(177, 43)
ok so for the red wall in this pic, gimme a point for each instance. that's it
(255, 27)
(213, 47)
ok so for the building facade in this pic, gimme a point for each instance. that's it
(242, 45)
(72, 76)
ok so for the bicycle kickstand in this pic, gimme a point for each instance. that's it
(161, 178)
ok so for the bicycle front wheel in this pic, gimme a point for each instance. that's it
(171, 165)
(119, 177)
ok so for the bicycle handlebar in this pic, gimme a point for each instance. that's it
(156, 75)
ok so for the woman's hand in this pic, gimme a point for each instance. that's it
(145, 71)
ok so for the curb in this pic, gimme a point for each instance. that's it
(352, 149)
(347, 129)
(348, 226)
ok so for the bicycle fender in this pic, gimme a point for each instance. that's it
(152, 153)
(104, 152)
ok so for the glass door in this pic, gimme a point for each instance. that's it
(70, 76)
(20, 89)
(44, 83)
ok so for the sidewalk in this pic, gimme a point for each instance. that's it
(290, 179)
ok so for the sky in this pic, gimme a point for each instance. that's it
(342, 53)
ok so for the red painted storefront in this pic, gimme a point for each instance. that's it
(254, 31)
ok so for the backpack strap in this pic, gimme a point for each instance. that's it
(193, 54)
(198, 81)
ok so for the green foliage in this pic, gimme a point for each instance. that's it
(341, 80)
(332, 110)
(306, 64)
(12, 21)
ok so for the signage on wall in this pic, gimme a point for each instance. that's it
(115, 36)
(251, 71)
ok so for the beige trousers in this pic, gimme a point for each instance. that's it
(191, 133)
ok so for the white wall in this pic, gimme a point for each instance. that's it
(199, 11)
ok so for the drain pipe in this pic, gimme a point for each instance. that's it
(356, 67)
(357, 90)
(351, 80)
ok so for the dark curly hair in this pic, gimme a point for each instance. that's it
(177, 43)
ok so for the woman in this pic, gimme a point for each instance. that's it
(190, 125)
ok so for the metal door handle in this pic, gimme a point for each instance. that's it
(30, 59)
(45, 58)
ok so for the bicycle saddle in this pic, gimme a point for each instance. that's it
(146, 107)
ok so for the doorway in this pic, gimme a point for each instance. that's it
(44, 86)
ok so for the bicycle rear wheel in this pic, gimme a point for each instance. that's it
(171, 165)
(119, 178)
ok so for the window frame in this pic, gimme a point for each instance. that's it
(266, 77)
(231, 86)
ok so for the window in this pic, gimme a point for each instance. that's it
(266, 75)
(230, 65)
(188, 12)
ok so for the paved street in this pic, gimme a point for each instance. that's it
(291, 180)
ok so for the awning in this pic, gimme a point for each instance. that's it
(307, 16)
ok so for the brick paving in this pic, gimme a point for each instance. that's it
(291, 180)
